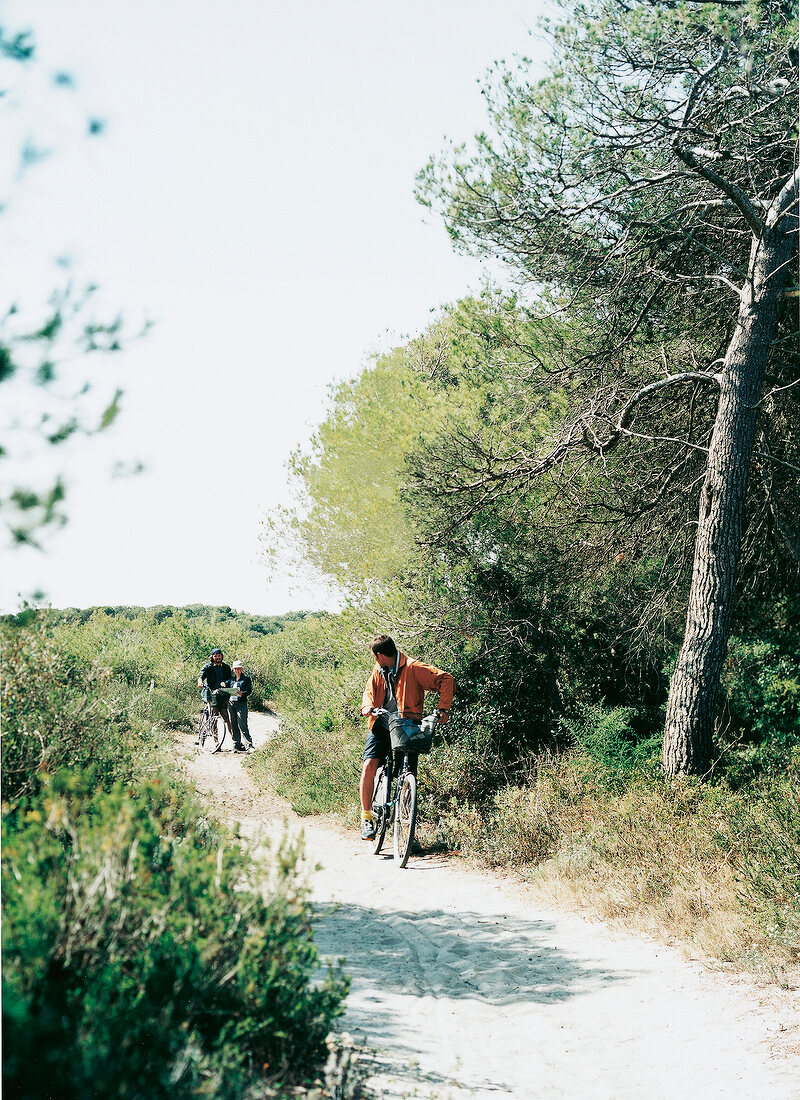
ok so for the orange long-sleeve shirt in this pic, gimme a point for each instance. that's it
(414, 678)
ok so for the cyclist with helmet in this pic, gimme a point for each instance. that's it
(214, 675)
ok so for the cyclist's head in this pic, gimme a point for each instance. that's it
(237, 664)
(382, 644)
(216, 653)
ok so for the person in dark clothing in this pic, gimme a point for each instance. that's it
(237, 706)
(217, 674)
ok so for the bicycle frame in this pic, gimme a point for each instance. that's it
(208, 722)
(405, 761)
(394, 798)
(393, 777)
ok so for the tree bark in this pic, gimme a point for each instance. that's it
(692, 703)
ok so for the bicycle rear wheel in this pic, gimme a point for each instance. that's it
(380, 807)
(209, 739)
(405, 817)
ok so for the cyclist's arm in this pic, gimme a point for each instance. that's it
(433, 679)
(373, 694)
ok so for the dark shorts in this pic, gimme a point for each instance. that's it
(379, 745)
(378, 741)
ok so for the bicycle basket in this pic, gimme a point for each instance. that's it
(218, 699)
(408, 735)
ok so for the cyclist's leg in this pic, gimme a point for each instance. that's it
(375, 750)
(369, 770)
(381, 796)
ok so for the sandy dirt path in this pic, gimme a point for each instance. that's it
(462, 986)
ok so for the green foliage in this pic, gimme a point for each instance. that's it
(608, 738)
(351, 524)
(140, 952)
(762, 686)
(624, 189)
(539, 607)
(59, 715)
(152, 656)
(43, 348)
(315, 769)
(142, 946)
(318, 676)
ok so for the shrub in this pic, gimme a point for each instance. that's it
(141, 956)
(464, 766)
(57, 716)
(762, 687)
(315, 769)
(137, 953)
(608, 737)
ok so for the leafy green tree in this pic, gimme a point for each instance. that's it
(374, 513)
(349, 522)
(646, 190)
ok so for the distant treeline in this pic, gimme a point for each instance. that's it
(255, 624)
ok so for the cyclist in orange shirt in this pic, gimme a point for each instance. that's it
(398, 684)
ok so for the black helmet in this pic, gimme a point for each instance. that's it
(213, 651)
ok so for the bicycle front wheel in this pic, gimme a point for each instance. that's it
(405, 818)
(380, 807)
(210, 740)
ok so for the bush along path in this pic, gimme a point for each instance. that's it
(462, 986)
(144, 957)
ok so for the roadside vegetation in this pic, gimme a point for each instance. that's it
(143, 946)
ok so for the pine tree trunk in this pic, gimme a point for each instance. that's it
(692, 704)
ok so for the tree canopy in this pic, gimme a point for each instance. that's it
(645, 192)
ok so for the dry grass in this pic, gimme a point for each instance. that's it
(706, 867)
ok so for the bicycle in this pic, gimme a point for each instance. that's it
(401, 810)
(208, 722)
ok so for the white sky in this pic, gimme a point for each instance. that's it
(253, 195)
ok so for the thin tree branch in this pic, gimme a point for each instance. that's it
(732, 190)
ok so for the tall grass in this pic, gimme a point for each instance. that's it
(714, 867)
